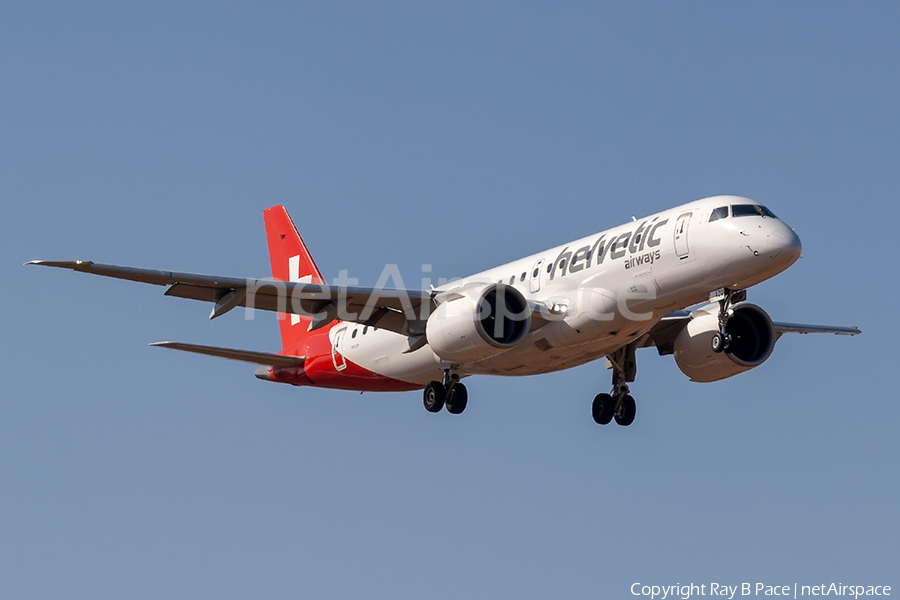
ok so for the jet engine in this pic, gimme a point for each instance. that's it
(477, 323)
(752, 340)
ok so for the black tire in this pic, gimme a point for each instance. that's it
(602, 409)
(627, 410)
(728, 340)
(718, 342)
(433, 397)
(457, 399)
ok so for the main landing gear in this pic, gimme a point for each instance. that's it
(449, 392)
(619, 404)
(721, 340)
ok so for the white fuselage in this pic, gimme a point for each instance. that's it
(611, 287)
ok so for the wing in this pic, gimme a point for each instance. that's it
(395, 310)
(782, 328)
(663, 334)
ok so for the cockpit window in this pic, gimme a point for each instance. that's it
(719, 213)
(750, 210)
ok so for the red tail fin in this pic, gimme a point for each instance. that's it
(290, 262)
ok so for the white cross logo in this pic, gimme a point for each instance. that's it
(294, 276)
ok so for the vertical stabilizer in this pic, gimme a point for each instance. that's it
(290, 262)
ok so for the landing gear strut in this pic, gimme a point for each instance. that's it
(449, 392)
(619, 404)
(721, 340)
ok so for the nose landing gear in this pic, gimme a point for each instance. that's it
(721, 340)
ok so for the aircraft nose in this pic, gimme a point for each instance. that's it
(784, 245)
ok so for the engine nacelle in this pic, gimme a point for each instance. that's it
(752, 341)
(478, 323)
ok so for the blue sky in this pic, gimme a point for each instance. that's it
(460, 136)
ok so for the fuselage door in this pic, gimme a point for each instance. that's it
(681, 235)
(337, 356)
(534, 285)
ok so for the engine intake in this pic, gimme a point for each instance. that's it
(478, 323)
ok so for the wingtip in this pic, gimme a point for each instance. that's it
(853, 330)
(63, 264)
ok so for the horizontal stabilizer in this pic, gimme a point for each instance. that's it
(259, 358)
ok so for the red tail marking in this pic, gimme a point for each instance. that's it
(291, 261)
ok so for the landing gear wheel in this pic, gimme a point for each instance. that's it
(720, 342)
(626, 411)
(433, 397)
(603, 408)
(457, 399)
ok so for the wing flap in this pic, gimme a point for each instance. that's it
(194, 292)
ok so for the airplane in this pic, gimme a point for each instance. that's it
(676, 281)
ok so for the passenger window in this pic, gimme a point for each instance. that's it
(353, 335)
(512, 280)
(536, 271)
(365, 329)
(719, 213)
(549, 267)
(522, 276)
